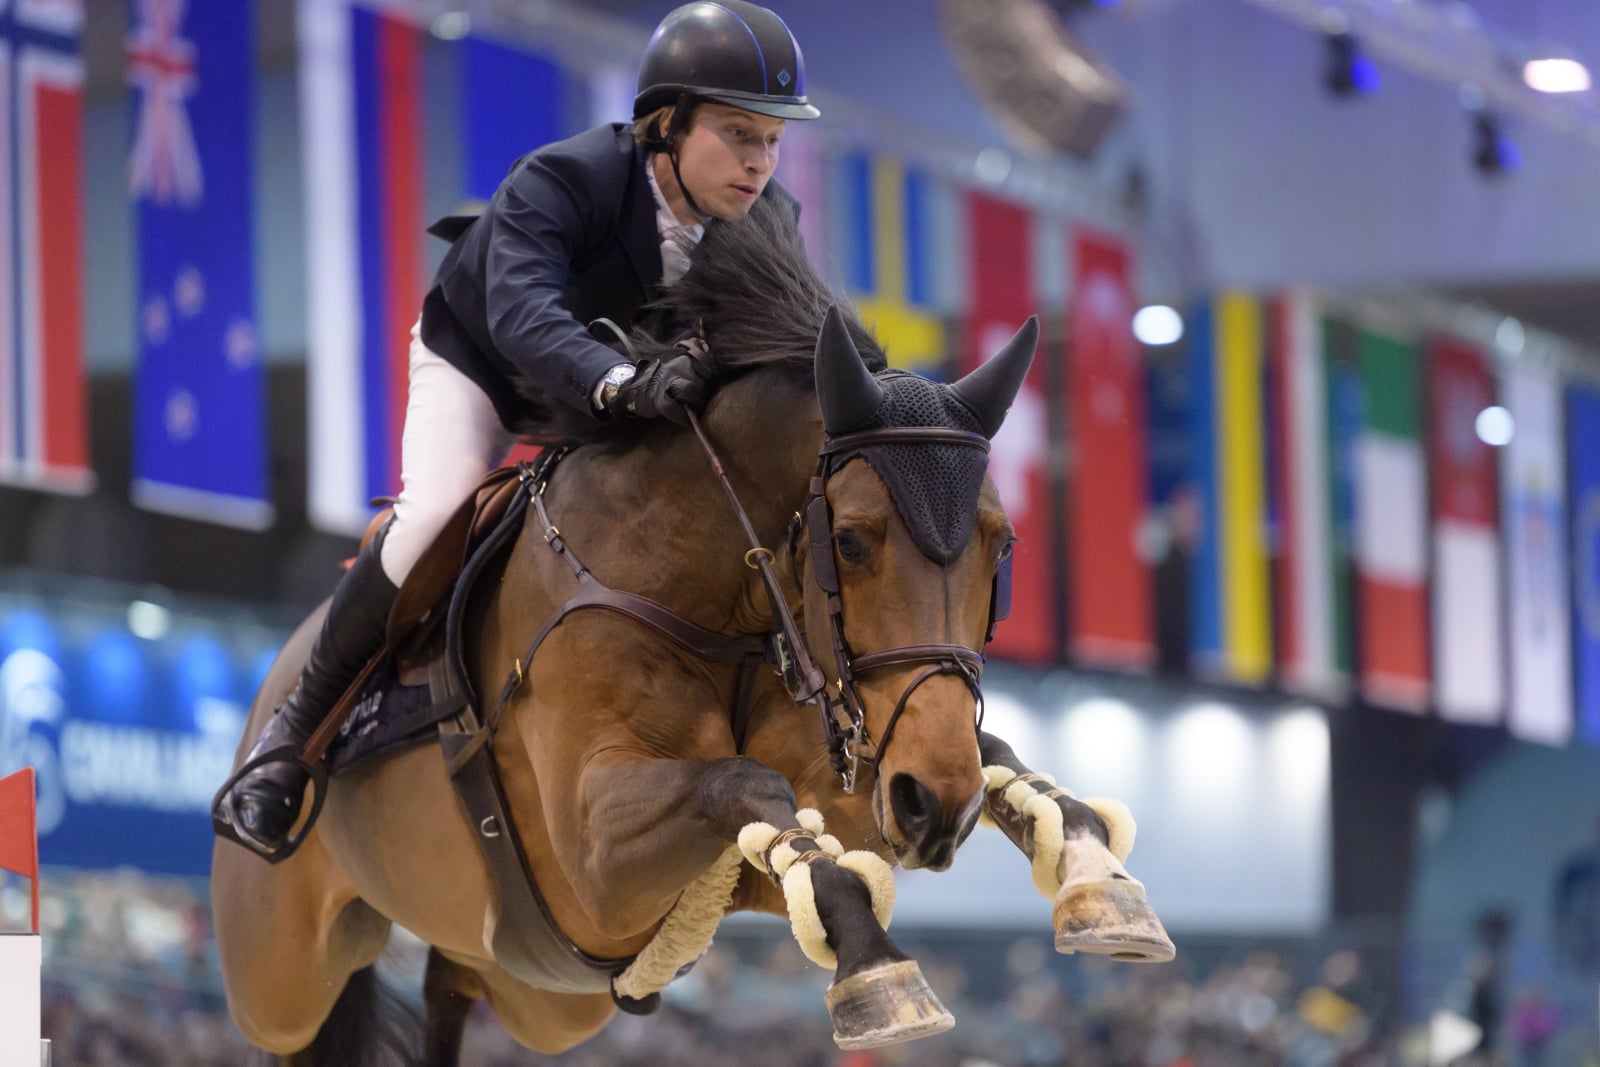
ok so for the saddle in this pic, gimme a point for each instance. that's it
(411, 688)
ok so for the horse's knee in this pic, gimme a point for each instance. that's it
(737, 791)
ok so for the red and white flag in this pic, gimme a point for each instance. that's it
(19, 837)
(1468, 614)
(1110, 616)
(999, 243)
(44, 438)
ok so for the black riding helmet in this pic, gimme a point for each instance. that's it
(729, 52)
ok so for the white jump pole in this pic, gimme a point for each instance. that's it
(21, 954)
(21, 963)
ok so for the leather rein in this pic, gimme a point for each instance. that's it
(843, 713)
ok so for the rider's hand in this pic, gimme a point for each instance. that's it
(665, 388)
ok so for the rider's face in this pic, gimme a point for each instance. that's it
(726, 158)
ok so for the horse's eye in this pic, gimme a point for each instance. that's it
(851, 548)
(1005, 550)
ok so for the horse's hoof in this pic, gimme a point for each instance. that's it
(885, 1006)
(1110, 917)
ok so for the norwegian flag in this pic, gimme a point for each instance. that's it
(199, 416)
(44, 440)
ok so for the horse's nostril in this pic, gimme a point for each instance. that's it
(916, 809)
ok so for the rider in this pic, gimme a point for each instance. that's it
(584, 229)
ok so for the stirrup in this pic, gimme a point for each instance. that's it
(222, 823)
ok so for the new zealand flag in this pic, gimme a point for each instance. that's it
(200, 442)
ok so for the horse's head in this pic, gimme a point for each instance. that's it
(905, 536)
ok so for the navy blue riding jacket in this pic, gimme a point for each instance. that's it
(570, 236)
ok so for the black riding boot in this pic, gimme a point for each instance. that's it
(264, 805)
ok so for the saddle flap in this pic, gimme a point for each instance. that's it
(434, 575)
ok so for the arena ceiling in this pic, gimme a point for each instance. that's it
(925, 77)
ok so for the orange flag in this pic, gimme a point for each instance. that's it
(19, 841)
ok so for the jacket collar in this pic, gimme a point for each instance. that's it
(641, 239)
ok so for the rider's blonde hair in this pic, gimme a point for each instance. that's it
(653, 126)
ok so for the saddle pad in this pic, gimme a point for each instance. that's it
(388, 716)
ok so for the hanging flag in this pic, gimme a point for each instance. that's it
(889, 265)
(1468, 640)
(1307, 627)
(1345, 413)
(1533, 480)
(1230, 606)
(200, 445)
(1019, 456)
(19, 837)
(1391, 526)
(361, 73)
(1109, 614)
(499, 126)
(44, 436)
(1583, 448)
(803, 171)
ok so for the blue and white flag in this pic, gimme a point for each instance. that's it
(1533, 483)
(1583, 450)
(200, 441)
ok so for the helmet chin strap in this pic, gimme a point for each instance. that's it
(680, 123)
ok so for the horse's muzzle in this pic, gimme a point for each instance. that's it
(929, 831)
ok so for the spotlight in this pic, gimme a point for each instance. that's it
(1350, 72)
(1556, 75)
(1493, 152)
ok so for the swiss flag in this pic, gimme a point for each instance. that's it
(1000, 245)
(19, 840)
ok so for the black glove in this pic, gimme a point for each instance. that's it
(665, 389)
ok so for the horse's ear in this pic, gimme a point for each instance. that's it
(846, 389)
(990, 389)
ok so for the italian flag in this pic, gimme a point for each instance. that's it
(1391, 527)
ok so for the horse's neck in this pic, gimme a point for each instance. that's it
(765, 431)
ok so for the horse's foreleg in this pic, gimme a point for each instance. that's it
(839, 905)
(1077, 848)
(838, 902)
(449, 991)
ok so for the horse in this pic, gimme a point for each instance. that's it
(835, 511)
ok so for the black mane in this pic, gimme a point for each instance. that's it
(750, 292)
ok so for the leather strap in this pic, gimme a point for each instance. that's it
(527, 942)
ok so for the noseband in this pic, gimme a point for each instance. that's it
(843, 714)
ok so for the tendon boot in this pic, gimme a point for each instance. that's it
(262, 804)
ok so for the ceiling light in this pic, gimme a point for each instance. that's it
(1556, 75)
(1350, 72)
(1157, 325)
(1495, 426)
(1493, 152)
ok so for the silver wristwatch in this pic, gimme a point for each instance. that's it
(613, 380)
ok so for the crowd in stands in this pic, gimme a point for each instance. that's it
(131, 980)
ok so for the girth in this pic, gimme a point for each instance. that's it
(527, 942)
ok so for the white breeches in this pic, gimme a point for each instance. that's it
(452, 438)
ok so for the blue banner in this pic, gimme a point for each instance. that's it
(1583, 451)
(1205, 581)
(512, 102)
(200, 448)
(129, 736)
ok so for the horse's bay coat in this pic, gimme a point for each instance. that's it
(617, 751)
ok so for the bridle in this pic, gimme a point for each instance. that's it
(843, 714)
